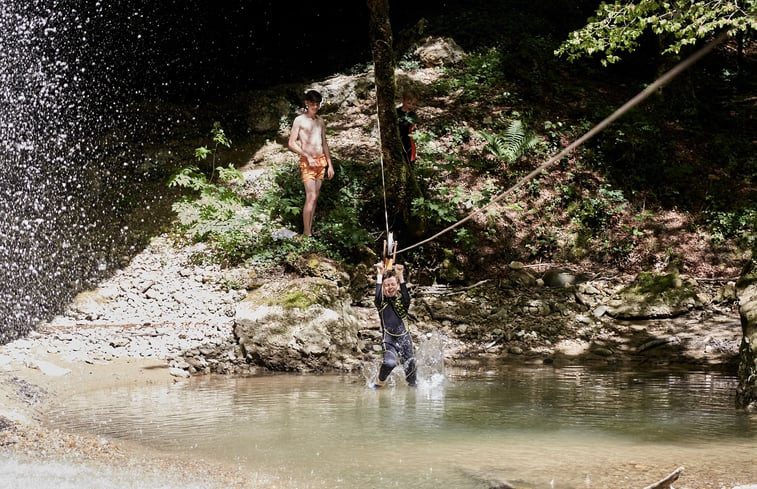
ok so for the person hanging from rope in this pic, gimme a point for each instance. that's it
(407, 117)
(393, 301)
(308, 139)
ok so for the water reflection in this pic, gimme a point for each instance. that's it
(543, 427)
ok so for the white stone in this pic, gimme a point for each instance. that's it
(50, 369)
(177, 372)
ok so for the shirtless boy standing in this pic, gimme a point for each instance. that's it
(308, 139)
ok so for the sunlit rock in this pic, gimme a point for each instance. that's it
(301, 325)
(654, 296)
(439, 51)
(341, 91)
(559, 278)
(313, 265)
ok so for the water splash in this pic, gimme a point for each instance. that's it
(429, 358)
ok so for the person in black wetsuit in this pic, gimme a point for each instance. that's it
(393, 301)
(407, 116)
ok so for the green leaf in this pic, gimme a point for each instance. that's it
(202, 153)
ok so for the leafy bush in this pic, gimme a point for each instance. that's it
(543, 244)
(445, 204)
(740, 224)
(479, 72)
(346, 204)
(595, 213)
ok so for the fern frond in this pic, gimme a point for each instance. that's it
(516, 141)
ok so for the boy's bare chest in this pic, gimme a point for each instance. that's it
(310, 126)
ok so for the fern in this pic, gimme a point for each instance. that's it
(512, 144)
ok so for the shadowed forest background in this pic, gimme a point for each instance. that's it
(139, 85)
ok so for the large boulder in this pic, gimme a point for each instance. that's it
(746, 291)
(439, 51)
(267, 112)
(342, 91)
(302, 325)
(656, 296)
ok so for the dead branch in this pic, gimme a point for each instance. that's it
(461, 290)
(667, 482)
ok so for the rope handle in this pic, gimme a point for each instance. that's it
(390, 245)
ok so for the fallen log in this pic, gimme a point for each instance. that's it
(667, 482)
(657, 342)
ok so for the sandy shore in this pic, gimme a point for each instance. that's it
(36, 455)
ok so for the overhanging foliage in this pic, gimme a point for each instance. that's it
(617, 27)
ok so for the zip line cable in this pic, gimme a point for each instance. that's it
(383, 183)
(662, 80)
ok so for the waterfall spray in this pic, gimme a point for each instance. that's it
(63, 176)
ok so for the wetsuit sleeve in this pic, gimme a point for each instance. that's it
(405, 295)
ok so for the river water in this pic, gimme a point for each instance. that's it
(535, 427)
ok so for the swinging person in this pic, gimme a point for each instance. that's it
(392, 308)
(308, 139)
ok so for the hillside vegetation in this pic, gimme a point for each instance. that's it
(669, 185)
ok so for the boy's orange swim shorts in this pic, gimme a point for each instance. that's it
(313, 172)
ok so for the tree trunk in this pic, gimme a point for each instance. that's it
(746, 291)
(397, 172)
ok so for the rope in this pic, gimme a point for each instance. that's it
(662, 80)
(381, 157)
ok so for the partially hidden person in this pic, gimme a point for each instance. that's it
(393, 301)
(406, 116)
(308, 140)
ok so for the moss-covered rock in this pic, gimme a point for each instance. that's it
(746, 291)
(301, 325)
(654, 295)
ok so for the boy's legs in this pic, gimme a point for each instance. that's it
(408, 359)
(394, 349)
(312, 190)
(388, 362)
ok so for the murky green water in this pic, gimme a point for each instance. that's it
(537, 427)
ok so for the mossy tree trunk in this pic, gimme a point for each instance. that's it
(397, 172)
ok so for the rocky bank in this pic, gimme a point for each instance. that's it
(196, 318)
